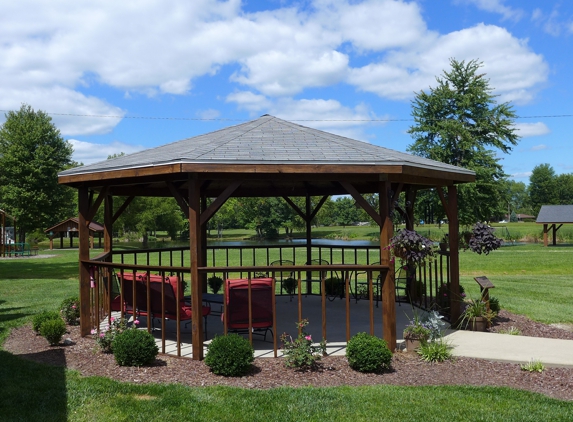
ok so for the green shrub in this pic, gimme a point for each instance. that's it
(494, 304)
(134, 348)
(333, 286)
(230, 355)
(215, 283)
(435, 351)
(42, 317)
(533, 366)
(366, 353)
(290, 284)
(70, 310)
(53, 330)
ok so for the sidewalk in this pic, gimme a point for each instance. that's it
(508, 348)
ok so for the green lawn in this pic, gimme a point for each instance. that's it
(529, 279)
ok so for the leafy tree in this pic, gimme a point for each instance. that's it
(542, 187)
(32, 152)
(455, 123)
(345, 212)
(565, 189)
(517, 197)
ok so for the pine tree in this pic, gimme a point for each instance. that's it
(458, 122)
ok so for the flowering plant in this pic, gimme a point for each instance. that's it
(411, 247)
(106, 336)
(70, 310)
(417, 330)
(301, 352)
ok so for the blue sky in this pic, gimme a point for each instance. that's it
(168, 70)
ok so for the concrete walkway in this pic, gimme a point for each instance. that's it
(508, 348)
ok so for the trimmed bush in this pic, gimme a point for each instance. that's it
(134, 347)
(42, 317)
(230, 355)
(53, 330)
(366, 353)
(70, 310)
(215, 283)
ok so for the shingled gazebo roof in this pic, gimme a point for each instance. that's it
(269, 145)
(555, 214)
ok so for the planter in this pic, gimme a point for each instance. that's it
(412, 344)
(443, 246)
(477, 324)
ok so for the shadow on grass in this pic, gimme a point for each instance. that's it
(33, 391)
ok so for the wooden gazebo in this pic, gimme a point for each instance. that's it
(69, 228)
(266, 157)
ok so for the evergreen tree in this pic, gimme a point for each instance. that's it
(458, 122)
(32, 152)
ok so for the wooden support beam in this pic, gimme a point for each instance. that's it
(453, 234)
(122, 208)
(218, 203)
(93, 209)
(194, 213)
(362, 202)
(179, 198)
(388, 284)
(410, 200)
(445, 203)
(296, 208)
(84, 255)
(108, 224)
(318, 206)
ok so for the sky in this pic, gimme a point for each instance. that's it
(122, 76)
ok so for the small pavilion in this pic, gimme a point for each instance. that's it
(266, 157)
(553, 217)
(4, 238)
(69, 228)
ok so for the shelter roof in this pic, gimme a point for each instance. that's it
(72, 224)
(266, 140)
(549, 214)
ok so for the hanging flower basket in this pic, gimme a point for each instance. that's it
(411, 247)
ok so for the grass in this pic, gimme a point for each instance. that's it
(32, 391)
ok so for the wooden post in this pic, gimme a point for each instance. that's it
(203, 244)
(84, 255)
(453, 234)
(308, 213)
(108, 224)
(388, 286)
(194, 251)
(545, 240)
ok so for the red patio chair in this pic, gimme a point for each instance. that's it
(237, 292)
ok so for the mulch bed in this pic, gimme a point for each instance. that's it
(81, 354)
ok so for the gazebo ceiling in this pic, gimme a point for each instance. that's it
(272, 157)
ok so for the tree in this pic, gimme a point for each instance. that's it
(456, 123)
(542, 187)
(345, 211)
(32, 153)
(565, 189)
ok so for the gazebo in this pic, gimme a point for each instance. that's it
(69, 227)
(4, 237)
(266, 157)
(553, 217)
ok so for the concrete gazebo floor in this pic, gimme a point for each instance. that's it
(287, 316)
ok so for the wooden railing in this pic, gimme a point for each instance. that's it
(359, 280)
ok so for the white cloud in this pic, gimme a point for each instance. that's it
(51, 53)
(526, 130)
(538, 147)
(87, 152)
(209, 114)
(513, 69)
(521, 175)
(497, 6)
(249, 101)
(60, 101)
(552, 23)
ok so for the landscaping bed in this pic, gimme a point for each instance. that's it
(83, 355)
